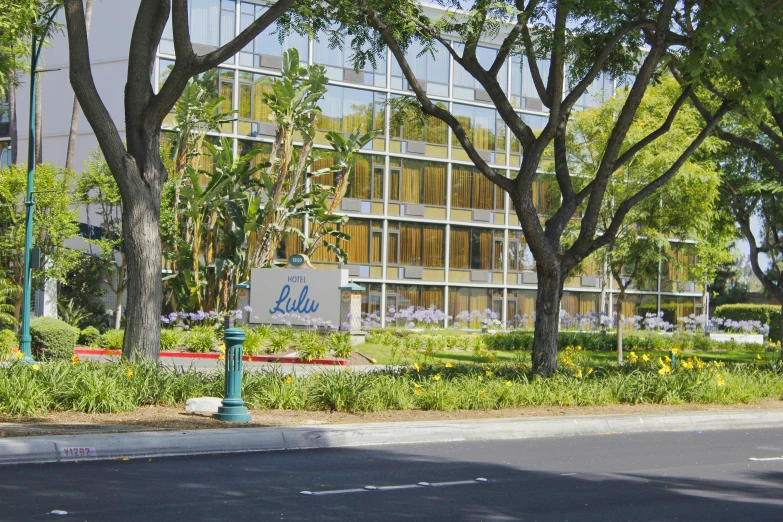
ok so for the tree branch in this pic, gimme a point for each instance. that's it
(535, 72)
(84, 87)
(657, 133)
(433, 110)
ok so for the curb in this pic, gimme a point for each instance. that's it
(36, 450)
(246, 358)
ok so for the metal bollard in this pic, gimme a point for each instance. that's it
(233, 407)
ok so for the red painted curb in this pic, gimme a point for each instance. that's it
(248, 358)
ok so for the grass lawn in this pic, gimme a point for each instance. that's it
(385, 355)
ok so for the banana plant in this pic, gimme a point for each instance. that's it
(346, 148)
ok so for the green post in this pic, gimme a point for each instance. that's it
(674, 360)
(25, 339)
(233, 408)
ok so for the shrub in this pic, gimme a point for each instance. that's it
(90, 336)
(766, 314)
(311, 346)
(255, 338)
(52, 339)
(341, 345)
(8, 342)
(171, 339)
(201, 339)
(112, 339)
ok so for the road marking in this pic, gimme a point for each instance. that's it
(764, 459)
(567, 474)
(418, 485)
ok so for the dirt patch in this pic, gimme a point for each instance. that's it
(174, 418)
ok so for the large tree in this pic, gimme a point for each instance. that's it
(682, 209)
(136, 162)
(747, 73)
(582, 39)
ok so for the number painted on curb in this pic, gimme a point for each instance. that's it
(77, 453)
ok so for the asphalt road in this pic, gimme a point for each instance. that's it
(650, 477)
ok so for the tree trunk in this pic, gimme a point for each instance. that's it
(71, 150)
(620, 300)
(38, 122)
(118, 311)
(12, 130)
(545, 337)
(141, 235)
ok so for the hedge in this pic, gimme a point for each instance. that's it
(52, 339)
(766, 314)
(669, 311)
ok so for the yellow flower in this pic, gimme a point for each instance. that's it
(36, 367)
(19, 355)
(758, 356)
(480, 377)
(675, 350)
(489, 373)
(249, 359)
(720, 382)
(449, 365)
(646, 357)
(509, 383)
(667, 360)
(129, 372)
(589, 371)
(578, 348)
(665, 370)
(222, 357)
(288, 378)
(417, 390)
(416, 366)
(436, 377)
(374, 361)
(632, 358)
(578, 373)
(223, 348)
(75, 359)
(687, 365)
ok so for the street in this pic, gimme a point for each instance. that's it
(652, 477)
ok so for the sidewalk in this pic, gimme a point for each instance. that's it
(86, 446)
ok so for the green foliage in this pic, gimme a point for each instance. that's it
(83, 285)
(72, 313)
(255, 340)
(340, 344)
(171, 339)
(8, 293)
(201, 339)
(8, 342)
(112, 339)
(281, 339)
(90, 336)
(115, 387)
(766, 314)
(54, 221)
(311, 346)
(53, 339)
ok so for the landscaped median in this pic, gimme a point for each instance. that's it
(91, 387)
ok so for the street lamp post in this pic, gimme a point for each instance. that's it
(25, 339)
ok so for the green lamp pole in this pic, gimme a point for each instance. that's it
(37, 44)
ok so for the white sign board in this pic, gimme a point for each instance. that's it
(294, 294)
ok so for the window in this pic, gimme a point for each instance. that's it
(345, 110)
(266, 49)
(400, 297)
(430, 68)
(468, 88)
(364, 247)
(417, 182)
(580, 303)
(212, 24)
(426, 137)
(520, 258)
(338, 62)
(471, 189)
(523, 91)
(462, 299)
(484, 128)
(5, 154)
(596, 94)
(371, 299)
(475, 248)
(521, 307)
(416, 244)
(366, 181)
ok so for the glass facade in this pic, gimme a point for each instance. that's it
(427, 228)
